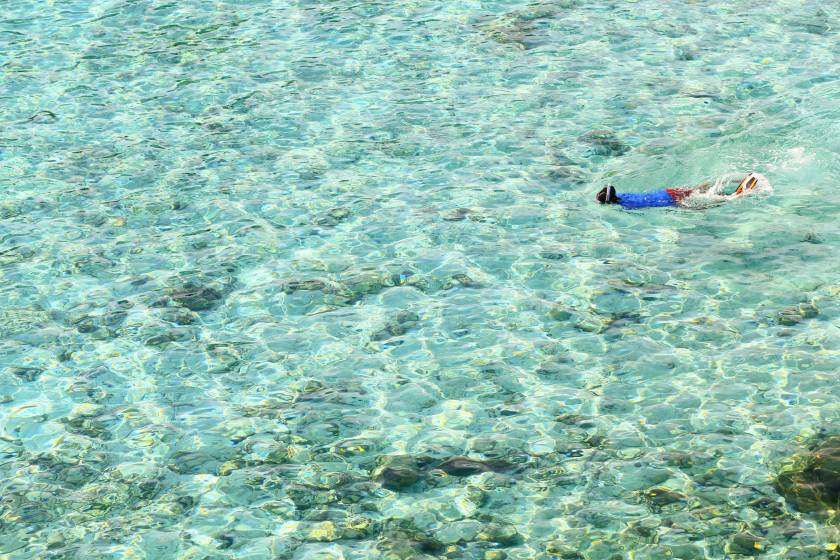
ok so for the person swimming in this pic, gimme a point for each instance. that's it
(676, 196)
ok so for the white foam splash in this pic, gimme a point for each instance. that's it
(794, 158)
(717, 193)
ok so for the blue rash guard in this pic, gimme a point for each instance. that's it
(654, 199)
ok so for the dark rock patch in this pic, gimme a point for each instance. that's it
(333, 217)
(796, 314)
(400, 325)
(604, 143)
(659, 497)
(194, 462)
(196, 292)
(399, 472)
(165, 338)
(502, 534)
(398, 477)
(462, 466)
(525, 28)
(196, 297)
(311, 285)
(179, 316)
(746, 544)
(25, 373)
(456, 214)
(812, 483)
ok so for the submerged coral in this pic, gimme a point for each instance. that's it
(812, 482)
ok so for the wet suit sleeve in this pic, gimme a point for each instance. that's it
(655, 199)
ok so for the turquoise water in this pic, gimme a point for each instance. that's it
(269, 267)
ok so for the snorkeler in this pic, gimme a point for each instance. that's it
(674, 197)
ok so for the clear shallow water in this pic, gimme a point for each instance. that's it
(252, 251)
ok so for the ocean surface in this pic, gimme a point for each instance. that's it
(327, 280)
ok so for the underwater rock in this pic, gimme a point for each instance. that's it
(264, 449)
(55, 539)
(496, 445)
(503, 534)
(458, 532)
(757, 88)
(358, 527)
(567, 174)
(404, 541)
(360, 493)
(179, 316)
(197, 292)
(559, 313)
(592, 324)
(365, 282)
(818, 24)
(93, 264)
(306, 496)
(687, 461)
(402, 471)
(222, 357)
(407, 549)
(558, 549)
(89, 427)
(672, 30)
(357, 447)
(85, 420)
(398, 477)
(15, 254)
(686, 53)
(462, 466)
(604, 142)
(25, 373)
(324, 532)
(459, 279)
(555, 253)
(746, 544)
(658, 497)
(402, 323)
(349, 287)
(812, 482)
(22, 320)
(333, 217)
(172, 335)
(29, 505)
(194, 462)
(196, 297)
(70, 474)
(94, 326)
(796, 314)
(398, 472)
(768, 508)
(523, 28)
(456, 214)
(406, 318)
(563, 169)
(313, 285)
(411, 398)
(103, 498)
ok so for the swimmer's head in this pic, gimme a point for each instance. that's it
(607, 195)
